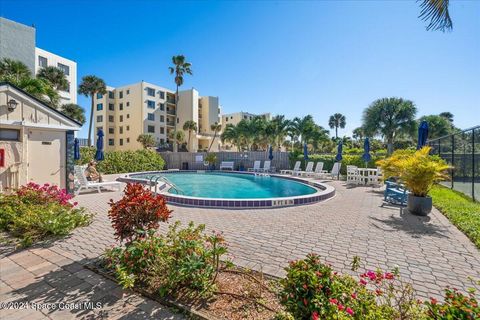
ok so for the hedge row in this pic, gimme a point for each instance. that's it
(123, 161)
(329, 160)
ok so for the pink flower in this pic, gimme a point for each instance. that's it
(433, 301)
(363, 282)
(349, 311)
(389, 275)
(333, 301)
(315, 315)
(340, 307)
(354, 295)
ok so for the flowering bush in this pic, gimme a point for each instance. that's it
(182, 259)
(139, 211)
(312, 290)
(36, 194)
(456, 306)
(35, 212)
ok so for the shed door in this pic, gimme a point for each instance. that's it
(46, 156)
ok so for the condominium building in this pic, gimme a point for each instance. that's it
(17, 42)
(234, 118)
(145, 108)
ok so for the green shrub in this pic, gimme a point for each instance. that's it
(328, 161)
(123, 161)
(36, 212)
(182, 259)
(456, 306)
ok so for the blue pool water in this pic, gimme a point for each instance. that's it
(234, 186)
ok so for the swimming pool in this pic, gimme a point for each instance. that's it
(232, 189)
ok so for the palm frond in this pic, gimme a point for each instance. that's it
(436, 12)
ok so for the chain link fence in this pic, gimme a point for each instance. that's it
(462, 151)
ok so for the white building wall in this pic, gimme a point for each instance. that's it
(54, 60)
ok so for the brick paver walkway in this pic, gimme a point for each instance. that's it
(430, 252)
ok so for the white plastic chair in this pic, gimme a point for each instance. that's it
(308, 169)
(296, 168)
(256, 166)
(85, 184)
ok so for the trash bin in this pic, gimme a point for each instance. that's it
(184, 165)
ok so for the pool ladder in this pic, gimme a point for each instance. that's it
(166, 181)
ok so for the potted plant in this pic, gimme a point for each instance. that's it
(211, 159)
(418, 171)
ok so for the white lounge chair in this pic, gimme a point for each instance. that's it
(335, 171)
(85, 184)
(295, 169)
(226, 165)
(308, 169)
(266, 166)
(318, 170)
(256, 166)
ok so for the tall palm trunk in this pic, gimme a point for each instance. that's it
(214, 136)
(175, 145)
(189, 133)
(336, 132)
(90, 124)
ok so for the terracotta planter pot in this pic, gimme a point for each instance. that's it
(421, 206)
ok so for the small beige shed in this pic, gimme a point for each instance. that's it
(36, 141)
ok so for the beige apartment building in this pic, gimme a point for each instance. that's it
(128, 111)
(234, 118)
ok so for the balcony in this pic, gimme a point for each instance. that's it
(171, 112)
(171, 123)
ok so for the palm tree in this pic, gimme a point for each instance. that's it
(447, 115)
(55, 76)
(358, 133)
(216, 128)
(438, 126)
(437, 12)
(190, 126)
(180, 67)
(231, 135)
(13, 70)
(177, 137)
(280, 130)
(304, 127)
(147, 140)
(90, 86)
(390, 118)
(336, 121)
(74, 111)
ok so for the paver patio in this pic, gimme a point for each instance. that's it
(430, 252)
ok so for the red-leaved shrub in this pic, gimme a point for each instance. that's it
(137, 213)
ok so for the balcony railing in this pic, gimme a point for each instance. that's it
(170, 123)
(171, 112)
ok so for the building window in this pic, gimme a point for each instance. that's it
(151, 129)
(151, 117)
(128, 104)
(99, 128)
(64, 68)
(151, 92)
(121, 118)
(128, 140)
(111, 130)
(121, 142)
(162, 130)
(128, 128)
(99, 106)
(128, 116)
(120, 106)
(99, 95)
(162, 118)
(162, 106)
(42, 62)
(226, 119)
(9, 135)
(120, 94)
(111, 142)
(111, 119)
(128, 91)
(111, 94)
(120, 129)
(99, 118)
(162, 95)
(111, 107)
(151, 104)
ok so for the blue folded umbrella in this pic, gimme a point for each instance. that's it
(270, 153)
(305, 152)
(339, 157)
(366, 148)
(99, 155)
(422, 134)
(76, 149)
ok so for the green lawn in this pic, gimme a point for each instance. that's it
(460, 210)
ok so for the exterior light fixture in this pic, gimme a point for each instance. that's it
(12, 105)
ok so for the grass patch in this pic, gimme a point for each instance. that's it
(462, 211)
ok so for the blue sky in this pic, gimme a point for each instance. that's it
(291, 58)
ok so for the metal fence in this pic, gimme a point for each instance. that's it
(242, 160)
(462, 151)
